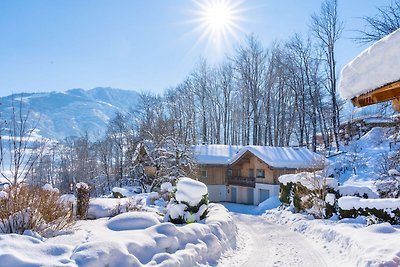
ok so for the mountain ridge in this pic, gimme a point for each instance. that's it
(73, 112)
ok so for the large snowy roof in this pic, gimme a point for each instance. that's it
(283, 157)
(375, 67)
(215, 154)
(277, 157)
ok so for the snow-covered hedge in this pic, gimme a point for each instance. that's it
(386, 209)
(189, 202)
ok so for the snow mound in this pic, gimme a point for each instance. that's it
(352, 190)
(190, 191)
(132, 221)
(270, 203)
(382, 228)
(22, 250)
(373, 68)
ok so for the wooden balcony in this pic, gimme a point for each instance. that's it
(242, 181)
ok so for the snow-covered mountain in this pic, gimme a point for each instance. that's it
(74, 112)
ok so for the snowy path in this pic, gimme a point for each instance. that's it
(261, 243)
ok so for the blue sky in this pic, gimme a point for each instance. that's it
(56, 45)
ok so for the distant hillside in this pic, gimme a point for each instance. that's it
(73, 112)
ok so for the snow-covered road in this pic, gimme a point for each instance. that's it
(261, 243)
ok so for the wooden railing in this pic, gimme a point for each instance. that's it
(242, 181)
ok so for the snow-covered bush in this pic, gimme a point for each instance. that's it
(24, 207)
(189, 203)
(307, 192)
(381, 210)
(82, 200)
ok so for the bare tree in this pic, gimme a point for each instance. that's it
(19, 145)
(327, 28)
(250, 65)
(386, 21)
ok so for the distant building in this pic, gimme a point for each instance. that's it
(250, 174)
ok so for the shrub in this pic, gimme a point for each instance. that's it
(82, 200)
(24, 207)
(189, 202)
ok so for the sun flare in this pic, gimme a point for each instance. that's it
(218, 23)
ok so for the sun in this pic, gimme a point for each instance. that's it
(218, 22)
(218, 16)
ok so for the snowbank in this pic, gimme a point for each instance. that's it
(93, 243)
(373, 68)
(348, 243)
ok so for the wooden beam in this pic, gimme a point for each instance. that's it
(382, 94)
(396, 104)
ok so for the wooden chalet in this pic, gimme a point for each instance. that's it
(250, 176)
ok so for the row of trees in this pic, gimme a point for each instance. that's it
(279, 95)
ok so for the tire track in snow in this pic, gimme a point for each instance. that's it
(261, 243)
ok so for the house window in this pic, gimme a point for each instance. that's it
(229, 172)
(260, 173)
(203, 174)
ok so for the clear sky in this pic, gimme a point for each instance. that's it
(56, 45)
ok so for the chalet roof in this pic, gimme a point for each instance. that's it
(283, 157)
(277, 157)
(375, 67)
(215, 154)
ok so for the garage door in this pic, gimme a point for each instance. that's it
(233, 194)
(250, 195)
(264, 194)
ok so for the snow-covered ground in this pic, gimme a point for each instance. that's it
(347, 242)
(360, 165)
(139, 238)
(263, 243)
(281, 238)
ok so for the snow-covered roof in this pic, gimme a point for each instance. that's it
(277, 157)
(375, 67)
(283, 157)
(215, 154)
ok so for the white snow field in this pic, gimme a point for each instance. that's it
(375, 67)
(128, 239)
